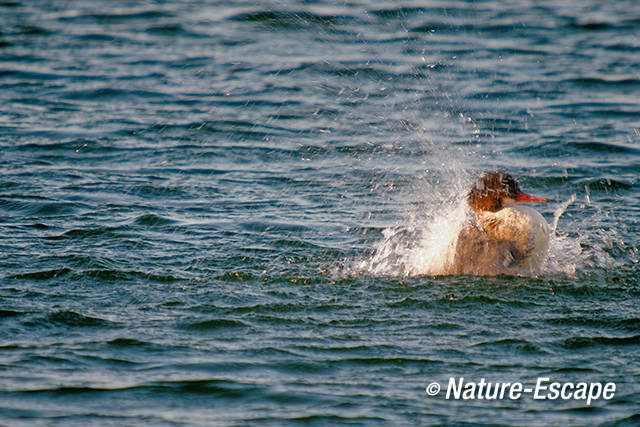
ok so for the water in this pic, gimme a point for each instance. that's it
(229, 213)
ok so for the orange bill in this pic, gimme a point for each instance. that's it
(523, 197)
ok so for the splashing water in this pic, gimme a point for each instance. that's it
(418, 249)
(564, 251)
(571, 252)
(559, 211)
(425, 244)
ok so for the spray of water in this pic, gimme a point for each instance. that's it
(424, 244)
(583, 249)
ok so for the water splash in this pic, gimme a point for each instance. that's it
(564, 251)
(425, 243)
(586, 248)
(559, 211)
(418, 250)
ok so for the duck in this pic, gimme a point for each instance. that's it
(502, 236)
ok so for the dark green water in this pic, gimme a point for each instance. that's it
(228, 213)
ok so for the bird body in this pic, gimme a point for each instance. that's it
(502, 237)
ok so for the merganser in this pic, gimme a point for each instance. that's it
(502, 238)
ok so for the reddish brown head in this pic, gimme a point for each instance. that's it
(494, 189)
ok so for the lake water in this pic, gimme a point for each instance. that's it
(230, 212)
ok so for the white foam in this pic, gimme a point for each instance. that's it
(424, 243)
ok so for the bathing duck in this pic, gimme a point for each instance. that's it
(503, 236)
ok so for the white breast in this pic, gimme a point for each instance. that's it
(526, 228)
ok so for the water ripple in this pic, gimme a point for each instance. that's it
(226, 213)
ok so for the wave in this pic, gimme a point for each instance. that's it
(291, 19)
(114, 17)
(213, 325)
(67, 318)
(581, 342)
(42, 275)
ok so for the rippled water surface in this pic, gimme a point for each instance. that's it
(230, 212)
